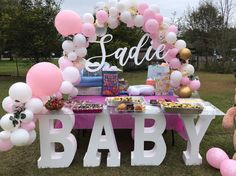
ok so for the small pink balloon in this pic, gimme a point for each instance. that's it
(155, 44)
(173, 52)
(175, 63)
(68, 22)
(195, 85)
(142, 7)
(159, 18)
(228, 167)
(102, 16)
(168, 58)
(5, 145)
(64, 62)
(172, 28)
(152, 26)
(168, 47)
(44, 79)
(154, 36)
(28, 126)
(148, 14)
(88, 29)
(215, 156)
(59, 95)
(185, 81)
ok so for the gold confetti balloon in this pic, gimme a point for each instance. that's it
(185, 53)
(185, 92)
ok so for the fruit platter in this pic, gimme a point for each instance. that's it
(115, 101)
(54, 104)
(183, 108)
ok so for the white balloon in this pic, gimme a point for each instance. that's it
(68, 46)
(113, 12)
(174, 84)
(32, 137)
(4, 135)
(7, 124)
(155, 8)
(171, 37)
(120, 6)
(71, 74)
(72, 56)
(74, 92)
(80, 64)
(66, 87)
(176, 76)
(79, 40)
(180, 44)
(20, 137)
(28, 116)
(138, 21)
(35, 105)
(81, 52)
(113, 22)
(88, 18)
(125, 16)
(21, 92)
(188, 69)
(7, 104)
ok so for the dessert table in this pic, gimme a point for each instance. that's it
(125, 120)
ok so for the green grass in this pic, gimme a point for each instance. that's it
(216, 88)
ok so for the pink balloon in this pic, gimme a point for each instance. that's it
(102, 16)
(159, 18)
(28, 126)
(64, 62)
(154, 36)
(142, 7)
(152, 26)
(215, 156)
(228, 167)
(59, 95)
(5, 145)
(175, 63)
(195, 85)
(168, 47)
(173, 52)
(155, 44)
(148, 14)
(130, 24)
(88, 29)
(185, 81)
(172, 28)
(68, 22)
(45, 79)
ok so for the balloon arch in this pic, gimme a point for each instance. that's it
(45, 80)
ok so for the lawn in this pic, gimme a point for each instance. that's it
(216, 88)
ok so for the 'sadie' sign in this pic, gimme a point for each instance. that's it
(120, 53)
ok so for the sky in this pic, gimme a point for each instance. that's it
(167, 7)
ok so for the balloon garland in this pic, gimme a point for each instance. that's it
(43, 80)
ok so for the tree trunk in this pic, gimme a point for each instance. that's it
(17, 67)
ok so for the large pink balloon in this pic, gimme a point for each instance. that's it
(68, 22)
(228, 167)
(5, 145)
(45, 79)
(215, 156)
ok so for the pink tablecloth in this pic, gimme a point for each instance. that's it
(125, 121)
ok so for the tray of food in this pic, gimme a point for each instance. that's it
(130, 107)
(183, 108)
(115, 101)
(158, 102)
(87, 108)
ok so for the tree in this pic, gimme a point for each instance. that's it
(202, 27)
(30, 31)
